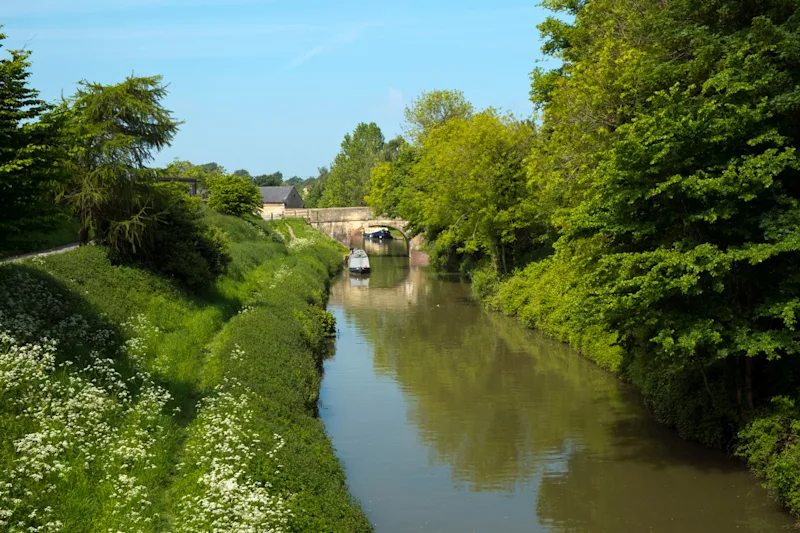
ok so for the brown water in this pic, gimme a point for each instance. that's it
(452, 419)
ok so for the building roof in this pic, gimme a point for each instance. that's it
(275, 195)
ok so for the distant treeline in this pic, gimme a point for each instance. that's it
(186, 169)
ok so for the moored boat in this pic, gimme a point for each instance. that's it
(359, 262)
(380, 233)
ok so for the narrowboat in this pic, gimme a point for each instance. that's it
(381, 233)
(359, 262)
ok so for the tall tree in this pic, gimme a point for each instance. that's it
(269, 180)
(314, 196)
(432, 109)
(28, 154)
(468, 188)
(390, 192)
(670, 164)
(115, 131)
(349, 175)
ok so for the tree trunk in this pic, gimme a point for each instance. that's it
(748, 381)
(84, 234)
(738, 365)
(708, 388)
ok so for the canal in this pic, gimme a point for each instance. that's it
(452, 419)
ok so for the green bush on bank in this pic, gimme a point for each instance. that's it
(205, 402)
(770, 445)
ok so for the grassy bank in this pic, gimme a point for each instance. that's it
(130, 404)
(548, 295)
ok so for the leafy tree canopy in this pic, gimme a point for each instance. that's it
(432, 109)
(114, 132)
(349, 174)
(234, 195)
(269, 180)
(314, 196)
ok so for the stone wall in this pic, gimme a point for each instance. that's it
(343, 223)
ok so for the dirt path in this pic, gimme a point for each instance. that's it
(291, 232)
(56, 250)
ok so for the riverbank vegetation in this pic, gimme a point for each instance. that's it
(648, 214)
(132, 404)
(166, 377)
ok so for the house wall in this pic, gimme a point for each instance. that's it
(269, 211)
(294, 200)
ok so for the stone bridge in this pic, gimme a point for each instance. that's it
(344, 223)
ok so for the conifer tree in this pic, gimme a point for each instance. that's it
(27, 151)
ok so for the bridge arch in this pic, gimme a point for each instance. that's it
(342, 222)
(381, 223)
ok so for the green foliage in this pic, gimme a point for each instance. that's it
(181, 244)
(29, 153)
(471, 176)
(313, 198)
(464, 188)
(114, 130)
(232, 389)
(432, 109)
(269, 180)
(770, 445)
(185, 169)
(389, 193)
(234, 195)
(346, 184)
(547, 295)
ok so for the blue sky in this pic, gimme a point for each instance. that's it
(274, 85)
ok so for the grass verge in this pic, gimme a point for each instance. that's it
(129, 404)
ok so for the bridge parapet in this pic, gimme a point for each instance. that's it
(343, 223)
(331, 214)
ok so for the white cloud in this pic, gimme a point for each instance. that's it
(395, 101)
(340, 38)
(308, 55)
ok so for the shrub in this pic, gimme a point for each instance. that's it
(234, 195)
(180, 243)
(769, 444)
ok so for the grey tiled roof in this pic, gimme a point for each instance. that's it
(275, 195)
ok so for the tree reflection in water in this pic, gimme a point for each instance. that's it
(508, 410)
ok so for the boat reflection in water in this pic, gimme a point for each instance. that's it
(359, 282)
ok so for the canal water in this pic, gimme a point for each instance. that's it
(451, 419)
